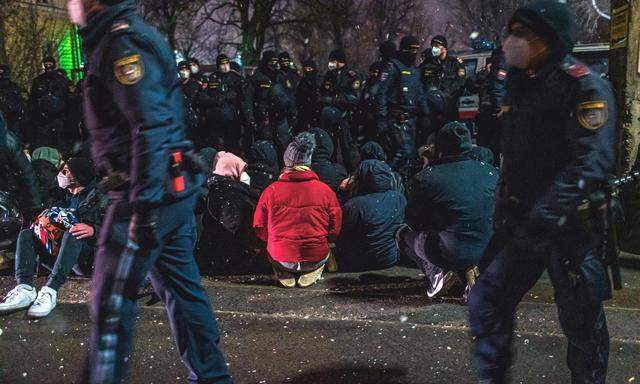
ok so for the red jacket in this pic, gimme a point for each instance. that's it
(298, 216)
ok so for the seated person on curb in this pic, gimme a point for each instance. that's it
(45, 162)
(263, 165)
(371, 150)
(228, 242)
(76, 220)
(371, 219)
(298, 216)
(328, 172)
(450, 209)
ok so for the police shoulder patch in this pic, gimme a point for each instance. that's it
(592, 115)
(356, 84)
(502, 74)
(577, 70)
(459, 60)
(462, 72)
(129, 70)
(352, 73)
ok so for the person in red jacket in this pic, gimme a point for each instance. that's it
(298, 216)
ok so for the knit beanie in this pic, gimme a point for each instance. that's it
(300, 151)
(338, 55)
(48, 154)
(82, 170)
(229, 165)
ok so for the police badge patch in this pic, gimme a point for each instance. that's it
(129, 70)
(356, 84)
(592, 115)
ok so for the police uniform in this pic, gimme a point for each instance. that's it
(558, 142)
(134, 113)
(491, 104)
(11, 103)
(340, 98)
(399, 101)
(308, 99)
(191, 89)
(444, 82)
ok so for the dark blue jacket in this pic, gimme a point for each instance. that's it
(371, 219)
(134, 104)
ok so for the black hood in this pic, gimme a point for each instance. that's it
(482, 154)
(373, 176)
(372, 151)
(262, 151)
(453, 139)
(324, 146)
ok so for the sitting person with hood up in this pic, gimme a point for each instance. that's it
(298, 216)
(45, 162)
(263, 165)
(371, 219)
(371, 150)
(328, 172)
(450, 211)
(63, 238)
(227, 241)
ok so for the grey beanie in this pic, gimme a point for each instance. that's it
(300, 151)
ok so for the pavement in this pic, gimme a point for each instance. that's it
(348, 329)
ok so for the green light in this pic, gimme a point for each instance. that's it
(70, 54)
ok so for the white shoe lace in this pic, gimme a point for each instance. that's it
(12, 295)
(43, 297)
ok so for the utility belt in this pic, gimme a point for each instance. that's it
(401, 116)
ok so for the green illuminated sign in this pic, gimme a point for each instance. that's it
(70, 53)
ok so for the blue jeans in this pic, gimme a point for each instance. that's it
(175, 278)
(579, 292)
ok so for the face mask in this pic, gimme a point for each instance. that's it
(245, 178)
(48, 67)
(195, 69)
(517, 52)
(436, 51)
(185, 74)
(332, 65)
(273, 65)
(75, 8)
(63, 181)
(284, 65)
(225, 68)
(408, 57)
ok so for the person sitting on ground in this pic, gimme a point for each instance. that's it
(228, 241)
(298, 216)
(371, 150)
(45, 162)
(328, 172)
(450, 209)
(371, 219)
(263, 165)
(63, 238)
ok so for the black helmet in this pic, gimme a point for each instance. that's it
(10, 220)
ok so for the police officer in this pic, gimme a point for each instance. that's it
(491, 103)
(292, 80)
(48, 105)
(11, 102)
(134, 106)
(267, 106)
(17, 178)
(194, 66)
(191, 89)
(443, 77)
(368, 121)
(558, 135)
(340, 98)
(221, 102)
(308, 97)
(400, 100)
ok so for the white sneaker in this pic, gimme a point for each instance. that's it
(18, 298)
(44, 304)
(441, 283)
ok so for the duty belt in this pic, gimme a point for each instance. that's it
(401, 116)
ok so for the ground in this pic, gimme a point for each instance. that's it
(350, 328)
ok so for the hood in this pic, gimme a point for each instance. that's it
(229, 165)
(299, 176)
(98, 24)
(373, 176)
(453, 139)
(324, 146)
(372, 151)
(262, 151)
(482, 154)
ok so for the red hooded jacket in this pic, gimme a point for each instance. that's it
(298, 216)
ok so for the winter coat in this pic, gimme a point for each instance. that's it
(330, 173)
(90, 206)
(298, 216)
(227, 240)
(371, 219)
(263, 165)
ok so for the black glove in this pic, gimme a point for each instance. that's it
(143, 229)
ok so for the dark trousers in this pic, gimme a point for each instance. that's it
(579, 292)
(424, 249)
(71, 249)
(489, 134)
(347, 151)
(401, 139)
(175, 278)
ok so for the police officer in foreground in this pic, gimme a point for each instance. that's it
(191, 89)
(399, 102)
(11, 102)
(559, 135)
(134, 106)
(340, 98)
(443, 77)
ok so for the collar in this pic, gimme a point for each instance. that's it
(100, 23)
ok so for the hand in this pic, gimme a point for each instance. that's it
(82, 231)
(142, 230)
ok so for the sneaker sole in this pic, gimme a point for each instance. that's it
(39, 315)
(448, 281)
(14, 310)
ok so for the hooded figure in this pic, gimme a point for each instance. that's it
(263, 165)
(330, 173)
(371, 219)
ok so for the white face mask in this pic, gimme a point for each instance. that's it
(75, 8)
(184, 74)
(517, 52)
(195, 69)
(225, 68)
(332, 65)
(63, 181)
(436, 51)
(245, 178)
